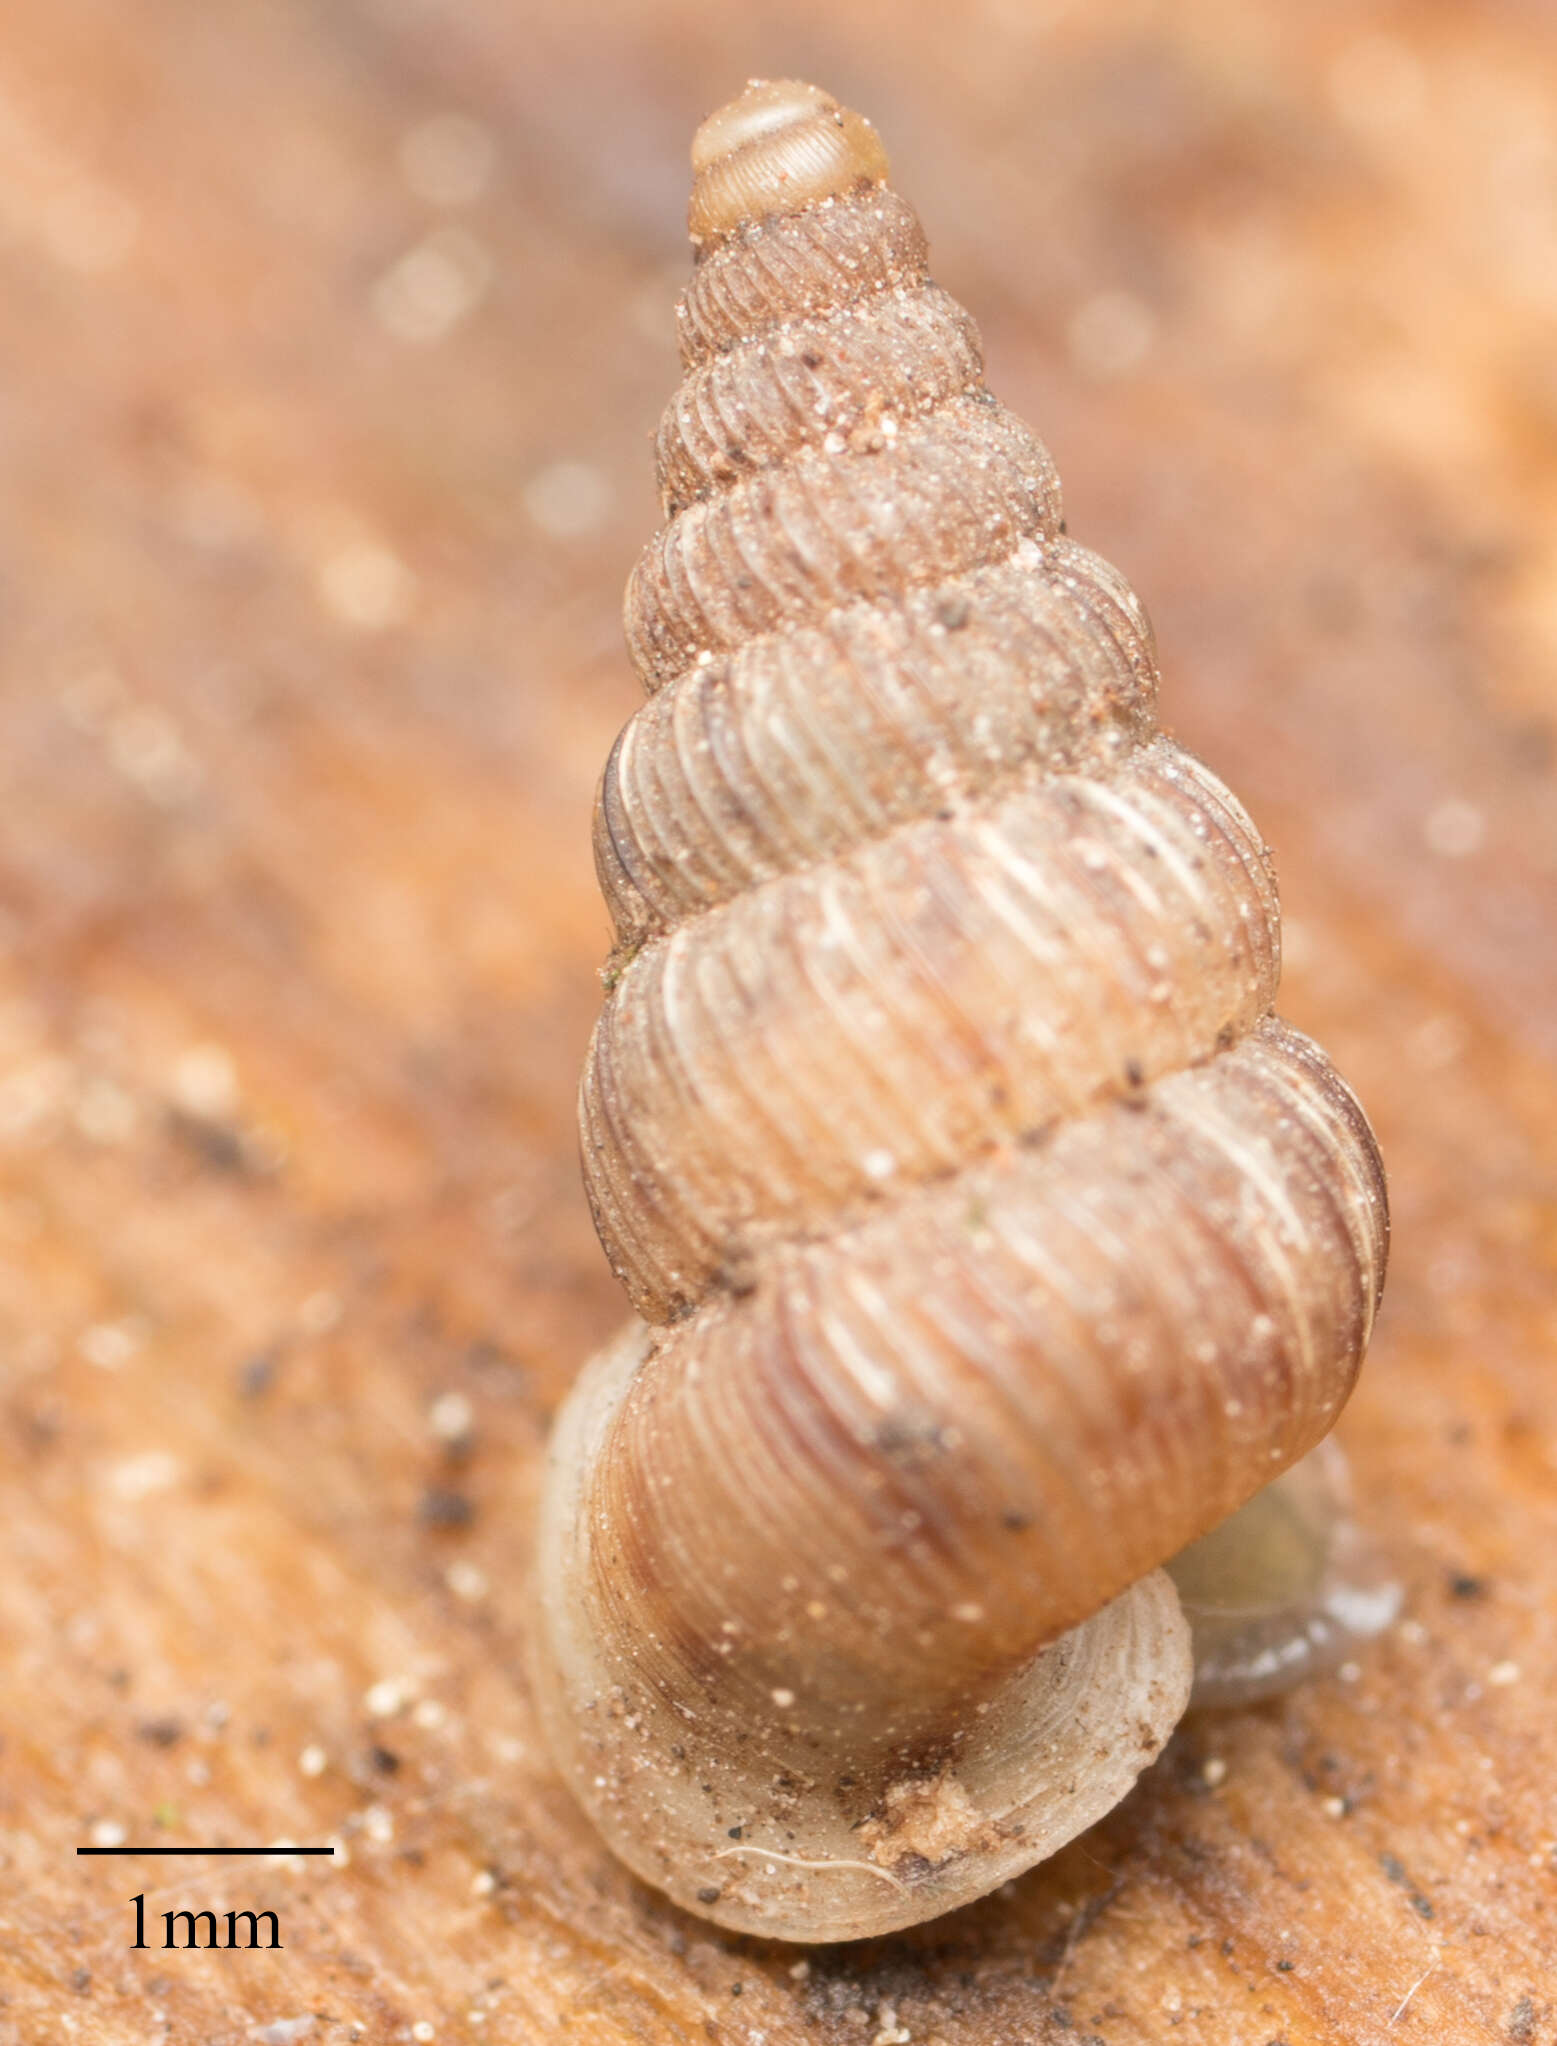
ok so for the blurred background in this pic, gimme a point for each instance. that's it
(334, 336)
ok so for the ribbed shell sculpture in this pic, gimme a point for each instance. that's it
(991, 1238)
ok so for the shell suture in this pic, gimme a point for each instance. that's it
(992, 1238)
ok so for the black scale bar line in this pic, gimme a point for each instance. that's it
(205, 1850)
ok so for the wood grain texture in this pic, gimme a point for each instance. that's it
(325, 454)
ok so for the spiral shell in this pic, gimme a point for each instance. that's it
(992, 1239)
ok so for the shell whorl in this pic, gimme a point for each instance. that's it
(780, 146)
(996, 1239)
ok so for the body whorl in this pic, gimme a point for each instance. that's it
(992, 1237)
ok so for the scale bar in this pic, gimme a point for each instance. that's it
(205, 1850)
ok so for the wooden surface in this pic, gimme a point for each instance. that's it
(324, 429)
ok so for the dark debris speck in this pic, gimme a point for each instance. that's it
(442, 1507)
(257, 1374)
(217, 1147)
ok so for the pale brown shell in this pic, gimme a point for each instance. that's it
(779, 147)
(997, 1239)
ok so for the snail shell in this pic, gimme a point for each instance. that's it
(991, 1238)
